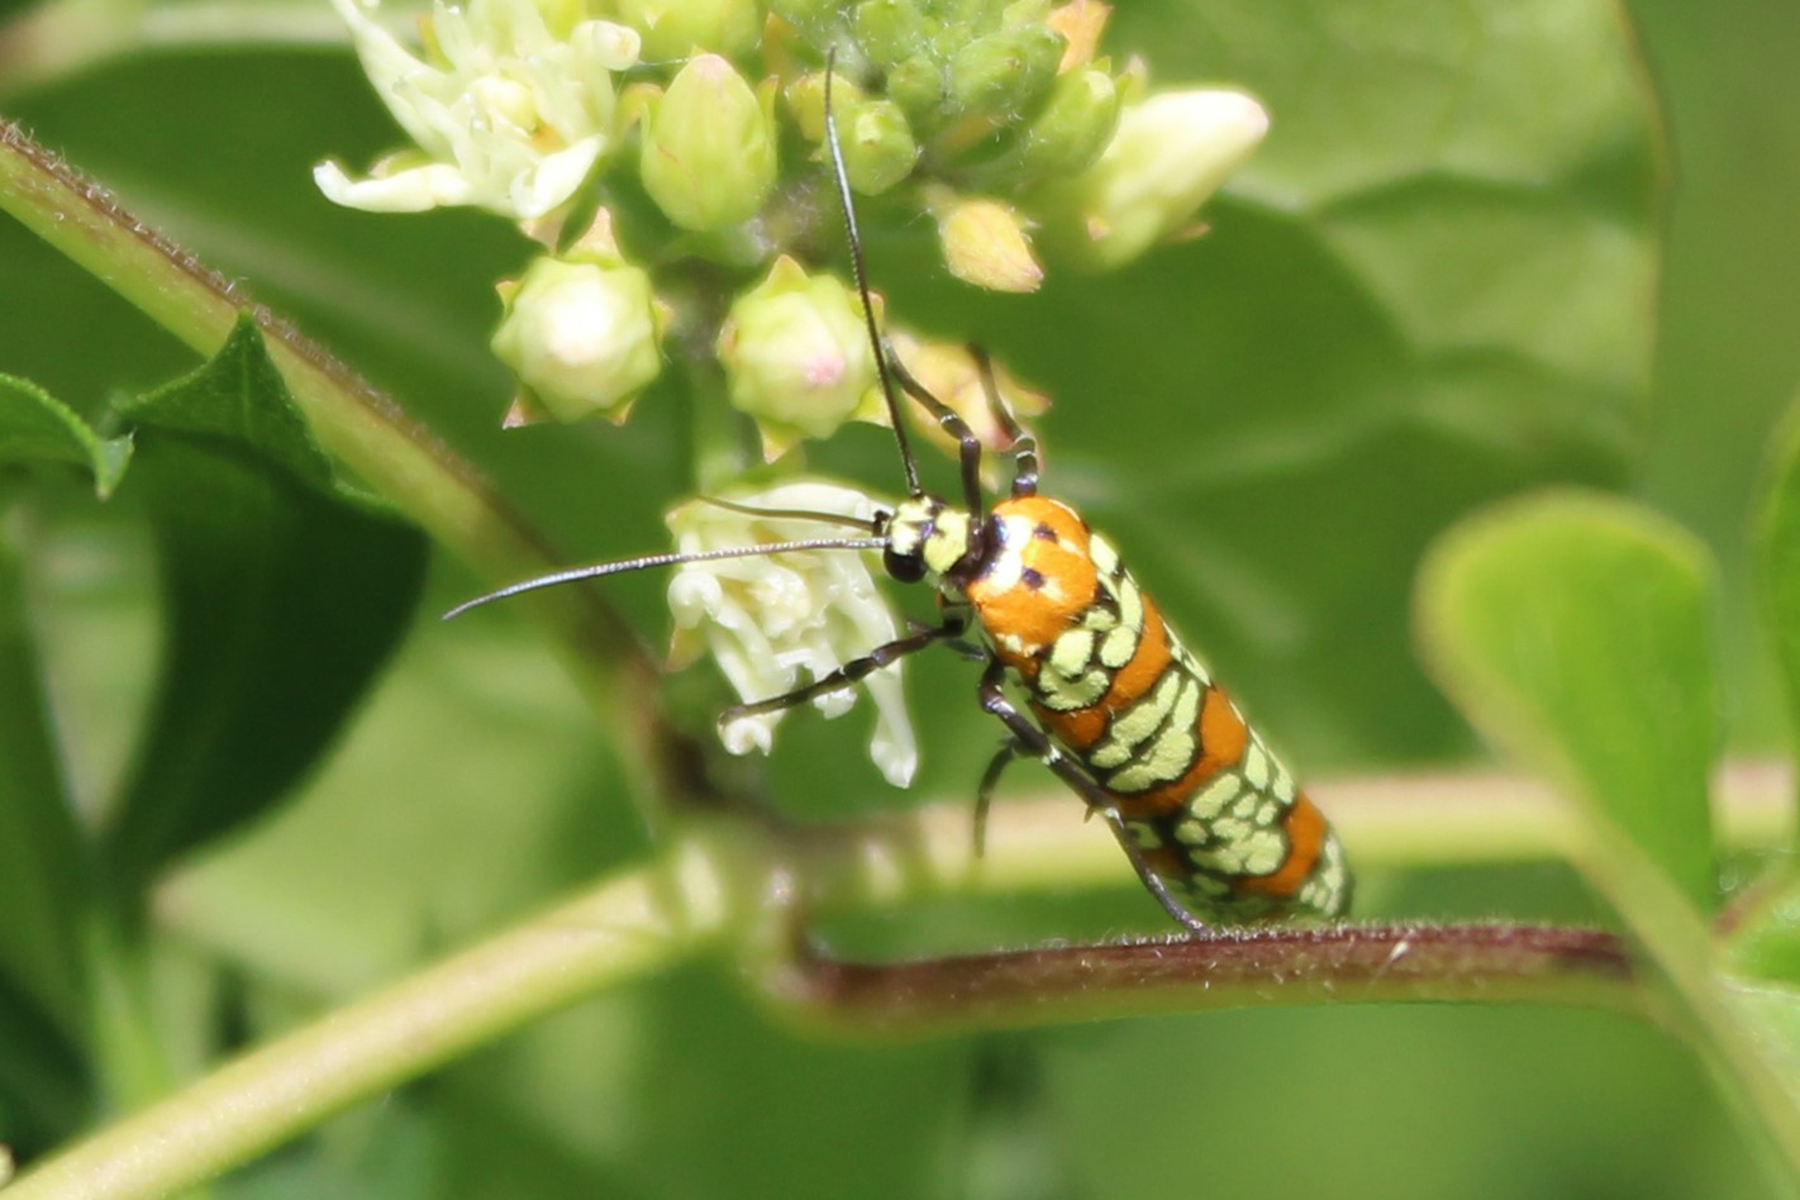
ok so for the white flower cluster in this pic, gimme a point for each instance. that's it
(775, 623)
(511, 118)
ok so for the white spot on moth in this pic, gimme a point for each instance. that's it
(1215, 796)
(1099, 618)
(1187, 658)
(1119, 646)
(1264, 852)
(1131, 603)
(1256, 765)
(1070, 653)
(1106, 559)
(1065, 695)
(1164, 760)
(1137, 722)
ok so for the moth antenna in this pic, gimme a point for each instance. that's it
(596, 570)
(872, 524)
(842, 179)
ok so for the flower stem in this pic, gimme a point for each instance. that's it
(1380, 964)
(731, 884)
(628, 926)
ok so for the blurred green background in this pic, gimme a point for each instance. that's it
(1226, 408)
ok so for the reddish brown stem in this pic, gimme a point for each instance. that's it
(1344, 964)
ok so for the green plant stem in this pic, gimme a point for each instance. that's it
(629, 926)
(1038, 843)
(359, 426)
(729, 884)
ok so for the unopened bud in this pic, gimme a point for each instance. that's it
(674, 29)
(985, 244)
(806, 102)
(1004, 72)
(890, 31)
(1075, 125)
(581, 337)
(709, 147)
(878, 145)
(917, 85)
(796, 355)
(1170, 154)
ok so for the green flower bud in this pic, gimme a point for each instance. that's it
(1171, 153)
(879, 150)
(796, 355)
(890, 31)
(917, 85)
(806, 102)
(1075, 125)
(984, 243)
(674, 29)
(581, 336)
(1004, 72)
(709, 147)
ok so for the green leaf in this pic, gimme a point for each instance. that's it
(42, 862)
(238, 398)
(35, 426)
(1575, 632)
(282, 599)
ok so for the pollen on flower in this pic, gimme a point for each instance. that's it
(777, 622)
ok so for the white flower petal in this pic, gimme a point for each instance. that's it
(520, 115)
(414, 190)
(605, 46)
(555, 178)
(774, 623)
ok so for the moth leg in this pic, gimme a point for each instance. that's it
(984, 795)
(851, 671)
(1024, 445)
(1035, 741)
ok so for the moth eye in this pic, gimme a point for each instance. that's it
(907, 568)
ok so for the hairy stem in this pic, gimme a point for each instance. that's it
(1382, 964)
(362, 428)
